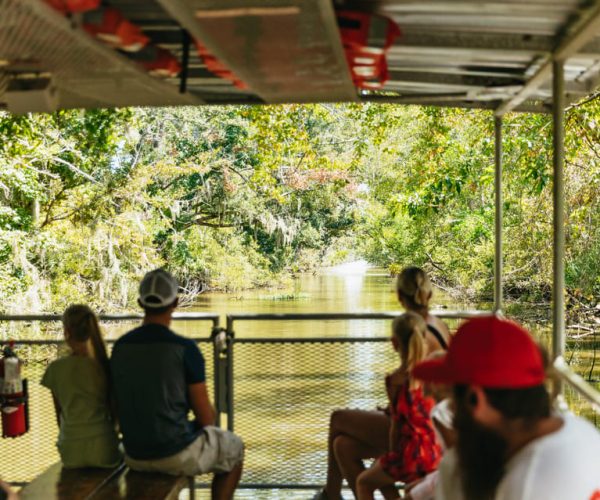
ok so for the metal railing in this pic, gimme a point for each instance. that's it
(26, 456)
(561, 366)
(225, 402)
(277, 379)
(248, 430)
(576, 382)
(47, 318)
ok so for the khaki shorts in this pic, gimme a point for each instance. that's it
(215, 450)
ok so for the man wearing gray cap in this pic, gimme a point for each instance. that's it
(158, 378)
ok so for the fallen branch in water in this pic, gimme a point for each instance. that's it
(583, 335)
(581, 327)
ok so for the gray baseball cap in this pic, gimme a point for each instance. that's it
(158, 288)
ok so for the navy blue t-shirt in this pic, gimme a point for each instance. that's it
(151, 369)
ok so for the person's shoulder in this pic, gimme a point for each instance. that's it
(558, 460)
(61, 363)
(437, 324)
(149, 332)
(181, 339)
(573, 431)
(50, 370)
(55, 369)
(127, 337)
(579, 424)
(396, 377)
(175, 338)
(191, 347)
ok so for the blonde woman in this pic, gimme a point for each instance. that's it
(80, 386)
(414, 293)
(355, 435)
(413, 449)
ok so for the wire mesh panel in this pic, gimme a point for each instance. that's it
(284, 394)
(24, 457)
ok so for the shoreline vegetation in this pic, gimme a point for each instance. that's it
(248, 197)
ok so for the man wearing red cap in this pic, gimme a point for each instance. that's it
(511, 445)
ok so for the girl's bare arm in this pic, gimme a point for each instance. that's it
(393, 382)
(393, 435)
(56, 408)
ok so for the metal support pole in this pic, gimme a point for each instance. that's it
(230, 341)
(218, 388)
(229, 376)
(192, 487)
(498, 215)
(558, 297)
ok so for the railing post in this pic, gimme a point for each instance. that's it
(498, 215)
(223, 339)
(229, 378)
(558, 297)
(218, 337)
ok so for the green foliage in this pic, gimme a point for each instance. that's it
(431, 199)
(227, 198)
(237, 197)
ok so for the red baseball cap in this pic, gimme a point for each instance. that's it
(487, 351)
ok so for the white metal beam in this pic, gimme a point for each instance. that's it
(580, 33)
(558, 195)
(448, 101)
(493, 43)
(477, 6)
(498, 215)
(283, 52)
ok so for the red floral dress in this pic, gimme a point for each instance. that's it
(417, 452)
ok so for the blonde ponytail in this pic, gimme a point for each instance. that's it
(410, 330)
(416, 349)
(98, 345)
(83, 326)
(414, 289)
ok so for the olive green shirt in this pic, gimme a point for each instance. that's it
(87, 434)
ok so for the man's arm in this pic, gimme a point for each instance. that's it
(201, 406)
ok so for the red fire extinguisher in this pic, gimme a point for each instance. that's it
(13, 395)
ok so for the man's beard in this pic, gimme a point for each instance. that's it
(481, 455)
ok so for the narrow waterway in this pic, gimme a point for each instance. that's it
(357, 287)
(283, 393)
(353, 287)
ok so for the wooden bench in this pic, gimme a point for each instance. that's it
(57, 483)
(145, 485)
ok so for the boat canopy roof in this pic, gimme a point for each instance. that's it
(492, 54)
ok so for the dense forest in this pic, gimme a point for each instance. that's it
(236, 197)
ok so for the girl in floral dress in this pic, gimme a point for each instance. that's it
(413, 449)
